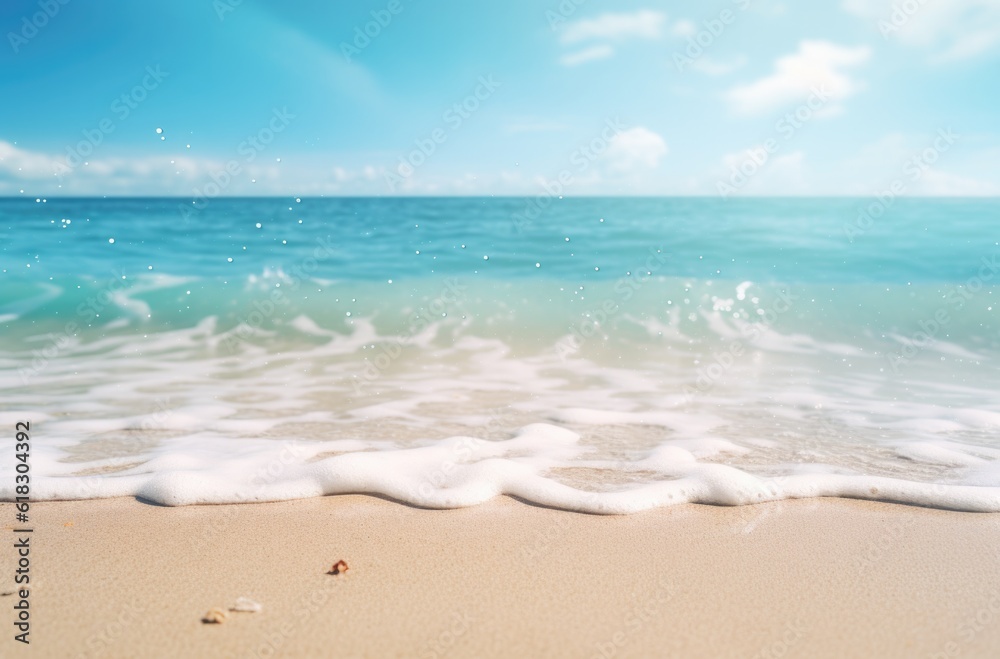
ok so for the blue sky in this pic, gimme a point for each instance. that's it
(844, 97)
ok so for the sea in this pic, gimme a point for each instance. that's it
(602, 355)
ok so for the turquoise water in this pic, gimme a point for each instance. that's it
(787, 240)
(593, 353)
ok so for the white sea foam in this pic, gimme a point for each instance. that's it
(454, 412)
(464, 471)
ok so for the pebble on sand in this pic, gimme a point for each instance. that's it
(214, 617)
(246, 605)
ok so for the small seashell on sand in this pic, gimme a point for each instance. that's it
(214, 617)
(246, 605)
(338, 568)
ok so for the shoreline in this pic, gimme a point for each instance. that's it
(811, 578)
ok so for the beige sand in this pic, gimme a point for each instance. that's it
(818, 578)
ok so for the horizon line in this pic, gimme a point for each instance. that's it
(498, 196)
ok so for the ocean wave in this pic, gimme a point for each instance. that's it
(685, 390)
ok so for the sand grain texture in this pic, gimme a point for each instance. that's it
(812, 578)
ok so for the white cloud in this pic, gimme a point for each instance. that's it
(945, 184)
(635, 148)
(951, 29)
(815, 67)
(26, 164)
(102, 175)
(178, 174)
(643, 24)
(684, 28)
(923, 164)
(780, 174)
(587, 55)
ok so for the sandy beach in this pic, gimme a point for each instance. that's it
(500, 330)
(808, 578)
